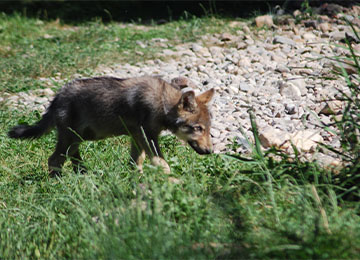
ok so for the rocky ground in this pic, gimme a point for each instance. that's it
(281, 71)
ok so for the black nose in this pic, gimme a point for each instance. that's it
(208, 151)
(199, 150)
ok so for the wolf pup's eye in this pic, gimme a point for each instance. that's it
(198, 128)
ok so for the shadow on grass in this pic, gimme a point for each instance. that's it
(144, 12)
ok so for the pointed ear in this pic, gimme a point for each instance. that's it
(187, 101)
(182, 82)
(206, 97)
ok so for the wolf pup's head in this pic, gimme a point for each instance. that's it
(195, 120)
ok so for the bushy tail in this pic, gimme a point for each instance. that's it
(46, 123)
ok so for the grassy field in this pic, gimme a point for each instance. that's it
(214, 206)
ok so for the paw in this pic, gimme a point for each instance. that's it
(158, 161)
(55, 174)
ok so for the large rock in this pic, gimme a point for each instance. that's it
(243, 86)
(350, 68)
(225, 37)
(329, 9)
(263, 20)
(283, 40)
(300, 84)
(306, 140)
(282, 68)
(200, 50)
(289, 91)
(337, 36)
(325, 27)
(309, 36)
(328, 162)
(332, 107)
(270, 136)
(216, 52)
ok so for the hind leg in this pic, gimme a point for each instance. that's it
(67, 144)
(57, 159)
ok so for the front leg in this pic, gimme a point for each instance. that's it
(159, 161)
(150, 146)
(137, 155)
(156, 156)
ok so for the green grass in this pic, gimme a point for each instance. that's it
(222, 207)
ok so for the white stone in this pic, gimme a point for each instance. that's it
(300, 84)
(264, 20)
(306, 140)
(283, 40)
(270, 136)
(290, 91)
(309, 36)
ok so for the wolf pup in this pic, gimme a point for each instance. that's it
(100, 107)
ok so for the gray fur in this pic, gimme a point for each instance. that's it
(96, 108)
